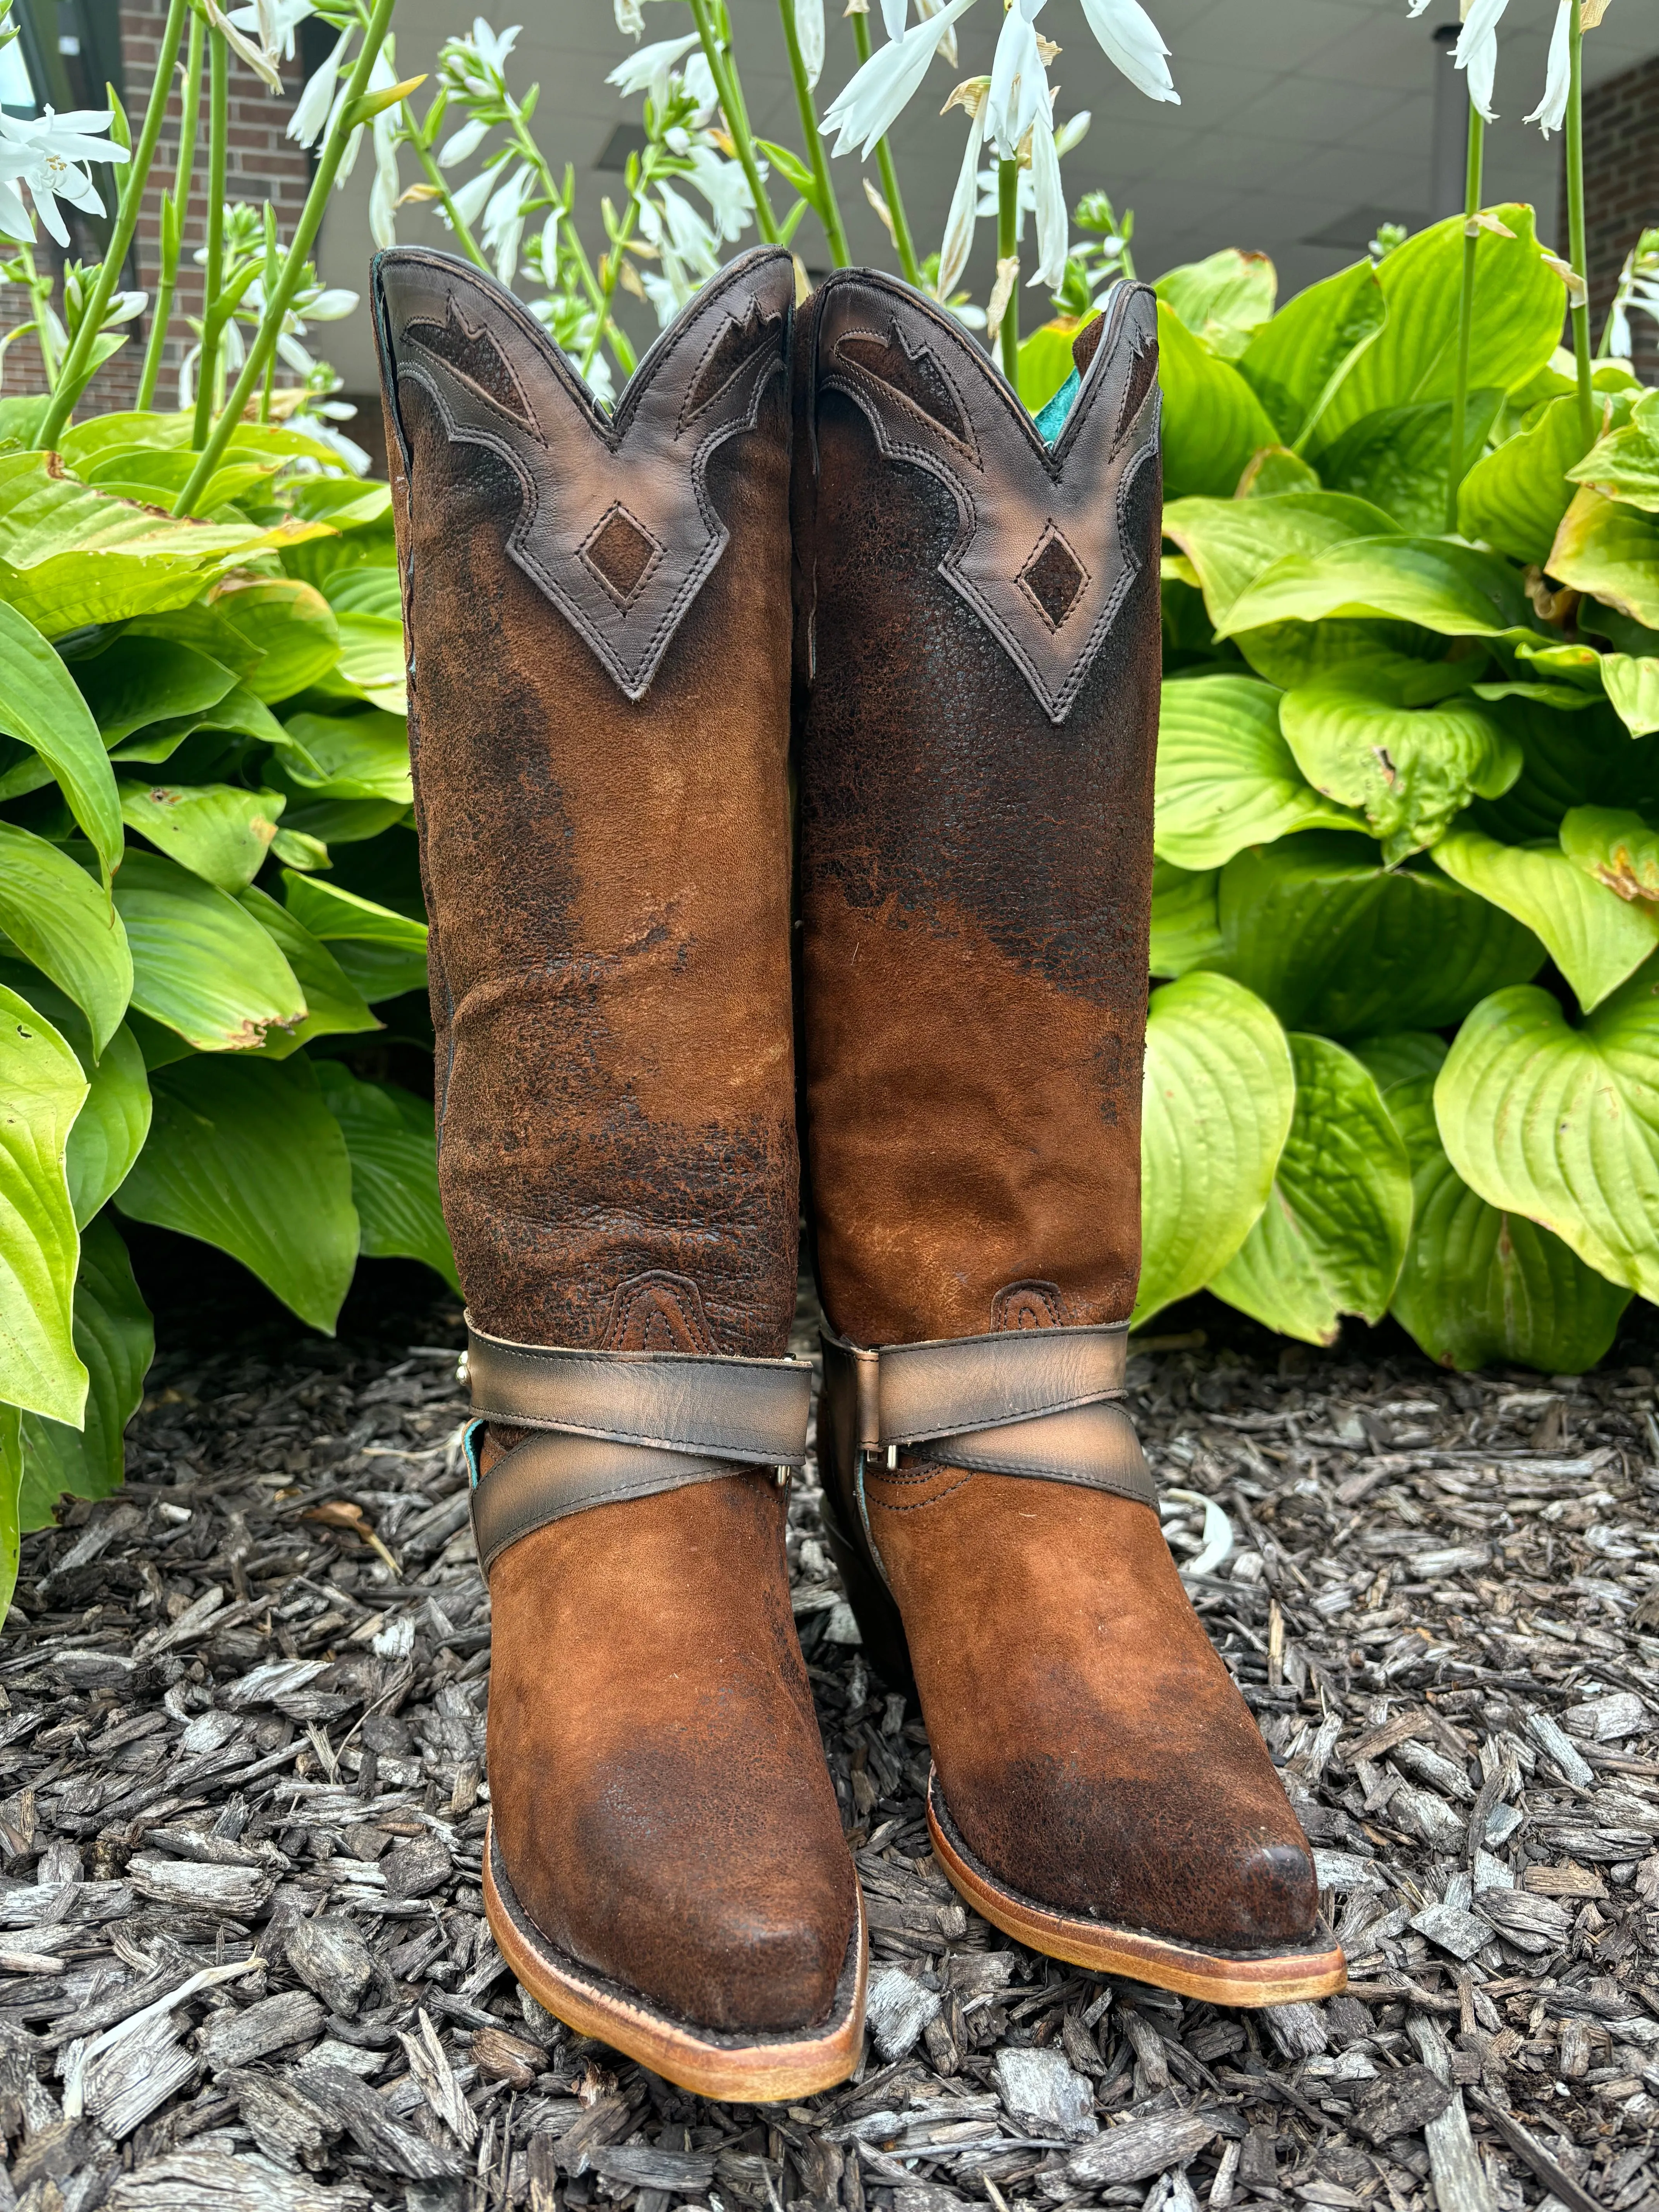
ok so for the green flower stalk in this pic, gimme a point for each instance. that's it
(728, 92)
(1008, 250)
(207, 366)
(175, 209)
(1577, 245)
(903, 246)
(353, 111)
(1455, 457)
(828, 207)
(76, 361)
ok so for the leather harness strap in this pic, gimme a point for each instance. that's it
(1041, 1402)
(608, 1426)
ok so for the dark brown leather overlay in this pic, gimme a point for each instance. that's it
(615, 520)
(1045, 555)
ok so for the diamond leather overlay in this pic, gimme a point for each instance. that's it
(611, 517)
(1053, 577)
(472, 352)
(621, 554)
(1046, 547)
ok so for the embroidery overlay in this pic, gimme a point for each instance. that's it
(613, 522)
(1044, 556)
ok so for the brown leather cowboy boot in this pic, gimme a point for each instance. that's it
(598, 612)
(977, 786)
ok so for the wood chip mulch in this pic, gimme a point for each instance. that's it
(244, 1965)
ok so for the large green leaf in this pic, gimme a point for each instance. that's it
(1217, 1101)
(1288, 654)
(41, 1092)
(334, 1005)
(1570, 760)
(1223, 299)
(1514, 498)
(1625, 465)
(1184, 925)
(200, 965)
(349, 756)
(66, 923)
(1212, 420)
(1479, 1285)
(238, 713)
(1632, 685)
(1595, 938)
(1398, 1055)
(1518, 304)
(110, 1129)
(1616, 847)
(11, 1470)
(394, 1168)
(244, 1154)
(383, 952)
(49, 524)
(1231, 542)
(1454, 589)
(219, 831)
(1298, 362)
(41, 708)
(1561, 1124)
(115, 1337)
(292, 624)
(1612, 552)
(1332, 1234)
(1401, 458)
(1335, 942)
(1225, 776)
(1407, 769)
(137, 680)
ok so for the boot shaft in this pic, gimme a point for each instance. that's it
(982, 637)
(598, 611)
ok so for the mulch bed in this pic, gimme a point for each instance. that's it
(243, 1959)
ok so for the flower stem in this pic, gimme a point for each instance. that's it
(834, 229)
(1007, 245)
(73, 373)
(904, 244)
(434, 177)
(161, 316)
(280, 297)
(729, 93)
(603, 326)
(1577, 247)
(207, 362)
(1454, 471)
(40, 292)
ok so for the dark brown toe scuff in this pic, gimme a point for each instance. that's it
(1093, 1748)
(656, 1773)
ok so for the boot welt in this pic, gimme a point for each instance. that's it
(740, 2066)
(1246, 1978)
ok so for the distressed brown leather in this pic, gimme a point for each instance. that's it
(598, 611)
(978, 688)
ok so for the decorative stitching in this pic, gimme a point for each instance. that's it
(617, 513)
(962, 434)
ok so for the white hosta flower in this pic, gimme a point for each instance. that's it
(461, 145)
(470, 199)
(1019, 84)
(630, 21)
(724, 187)
(1129, 37)
(503, 221)
(668, 290)
(1073, 133)
(690, 236)
(1050, 199)
(244, 48)
(310, 110)
(925, 10)
(384, 192)
(479, 60)
(123, 306)
(1477, 52)
(45, 152)
(550, 244)
(809, 36)
(1551, 111)
(877, 95)
(273, 22)
(699, 82)
(647, 71)
(958, 238)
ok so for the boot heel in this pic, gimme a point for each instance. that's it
(877, 1615)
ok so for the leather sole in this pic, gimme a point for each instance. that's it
(740, 2067)
(1241, 1978)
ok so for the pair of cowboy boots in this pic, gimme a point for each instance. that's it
(838, 523)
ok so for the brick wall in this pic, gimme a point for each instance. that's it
(1621, 193)
(261, 164)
